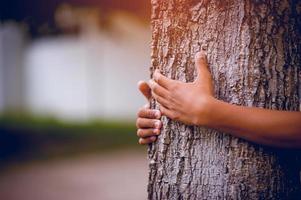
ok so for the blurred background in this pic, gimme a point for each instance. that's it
(68, 99)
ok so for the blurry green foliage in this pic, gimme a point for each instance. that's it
(29, 137)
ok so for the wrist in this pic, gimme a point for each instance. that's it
(208, 109)
(218, 114)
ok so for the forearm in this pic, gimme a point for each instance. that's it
(269, 127)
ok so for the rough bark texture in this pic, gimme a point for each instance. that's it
(254, 54)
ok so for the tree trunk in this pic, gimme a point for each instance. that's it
(254, 53)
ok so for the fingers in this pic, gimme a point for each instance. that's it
(159, 93)
(148, 123)
(162, 80)
(168, 113)
(145, 89)
(148, 130)
(147, 140)
(145, 112)
(143, 133)
(157, 89)
(201, 64)
(161, 100)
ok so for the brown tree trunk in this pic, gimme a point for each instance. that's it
(254, 53)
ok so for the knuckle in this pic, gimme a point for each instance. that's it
(138, 122)
(149, 113)
(139, 113)
(143, 141)
(153, 114)
(155, 88)
(169, 98)
(139, 132)
(173, 87)
(154, 123)
(140, 141)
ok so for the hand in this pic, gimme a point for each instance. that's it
(148, 123)
(185, 102)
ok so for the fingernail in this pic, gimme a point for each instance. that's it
(157, 114)
(201, 54)
(157, 131)
(139, 83)
(158, 124)
(151, 83)
(153, 138)
(198, 55)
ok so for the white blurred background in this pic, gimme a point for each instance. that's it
(68, 99)
(91, 74)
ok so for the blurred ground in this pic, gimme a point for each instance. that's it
(116, 175)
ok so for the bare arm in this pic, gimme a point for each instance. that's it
(269, 127)
(194, 103)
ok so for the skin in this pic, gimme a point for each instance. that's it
(194, 104)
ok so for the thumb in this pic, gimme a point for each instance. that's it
(201, 65)
(145, 89)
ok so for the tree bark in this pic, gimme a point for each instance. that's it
(254, 50)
